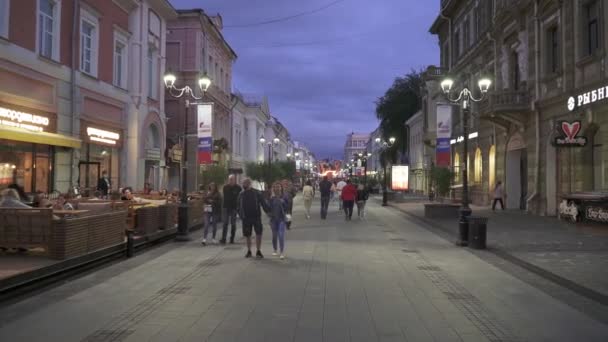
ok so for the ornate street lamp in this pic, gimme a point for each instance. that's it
(187, 93)
(383, 147)
(270, 145)
(464, 98)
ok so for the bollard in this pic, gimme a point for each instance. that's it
(130, 244)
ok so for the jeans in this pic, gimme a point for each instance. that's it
(348, 208)
(210, 220)
(307, 205)
(340, 206)
(324, 205)
(278, 232)
(229, 215)
(361, 208)
(502, 206)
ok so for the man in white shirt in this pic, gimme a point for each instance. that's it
(341, 184)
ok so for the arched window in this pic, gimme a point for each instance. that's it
(477, 172)
(153, 138)
(492, 167)
(456, 168)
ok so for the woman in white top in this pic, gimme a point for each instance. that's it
(498, 195)
(308, 193)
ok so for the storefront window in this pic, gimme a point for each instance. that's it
(456, 168)
(492, 166)
(27, 165)
(95, 161)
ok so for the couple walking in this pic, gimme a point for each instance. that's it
(213, 209)
(349, 194)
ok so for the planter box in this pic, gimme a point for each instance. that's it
(441, 210)
(81, 235)
(147, 220)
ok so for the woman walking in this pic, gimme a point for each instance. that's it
(362, 196)
(278, 214)
(289, 192)
(308, 193)
(213, 209)
(498, 196)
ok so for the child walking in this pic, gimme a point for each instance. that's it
(278, 223)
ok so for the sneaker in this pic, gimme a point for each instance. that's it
(214, 241)
(204, 243)
(232, 240)
(222, 241)
(282, 257)
(259, 255)
(275, 253)
(248, 255)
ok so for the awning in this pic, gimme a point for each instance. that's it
(16, 134)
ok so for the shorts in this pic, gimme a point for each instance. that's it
(250, 225)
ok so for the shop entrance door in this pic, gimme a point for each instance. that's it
(516, 188)
(89, 173)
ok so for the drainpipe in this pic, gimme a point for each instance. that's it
(75, 16)
(536, 192)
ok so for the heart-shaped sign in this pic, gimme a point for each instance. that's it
(571, 129)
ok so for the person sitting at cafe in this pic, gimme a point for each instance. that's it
(147, 188)
(63, 202)
(10, 199)
(97, 195)
(23, 197)
(127, 195)
(41, 200)
(164, 192)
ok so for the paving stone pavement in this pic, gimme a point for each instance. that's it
(380, 279)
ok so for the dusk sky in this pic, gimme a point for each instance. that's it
(322, 72)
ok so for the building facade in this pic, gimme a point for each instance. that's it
(548, 64)
(355, 143)
(71, 100)
(418, 178)
(196, 46)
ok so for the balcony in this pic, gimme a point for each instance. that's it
(506, 101)
(434, 73)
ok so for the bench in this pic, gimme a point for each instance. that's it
(441, 210)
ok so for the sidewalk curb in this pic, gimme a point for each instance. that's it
(579, 289)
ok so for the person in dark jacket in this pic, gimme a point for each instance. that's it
(362, 196)
(231, 196)
(103, 184)
(250, 203)
(213, 208)
(325, 189)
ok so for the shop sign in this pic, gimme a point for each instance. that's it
(176, 153)
(204, 133)
(596, 214)
(570, 136)
(102, 136)
(17, 119)
(587, 98)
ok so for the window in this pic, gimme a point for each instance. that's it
(445, 57)
(120, 62)
(210, 66)
(221, 80)
(48, 28)
(152, 74)
(477, 22)
(515, 77)
(216, 73)
(466, 34)
(88, 44)
(456, 45)
(552, 61)
(4, 18)
(492, 166)
(202, 59)
(591, 29)
(477, 173)
(456, 168)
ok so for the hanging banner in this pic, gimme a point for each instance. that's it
(444, 121)
(442, 152)
(400, 175)
(204, 133)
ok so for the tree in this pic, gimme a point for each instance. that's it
(400, 102)
(268, 174)
(217, 174)
(441, 178)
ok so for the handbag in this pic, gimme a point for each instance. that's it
(208, 208)
(287, 217)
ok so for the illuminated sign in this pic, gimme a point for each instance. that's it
(461, 138)
(587, 98)
(570, 136)
(400, 175)
(30, 122)
(102, 136)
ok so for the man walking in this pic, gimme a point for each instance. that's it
(103, 184)
(349, 195)
(325, 189)
(339, 187)
(250, 201)
(231, 197)
(498, 196)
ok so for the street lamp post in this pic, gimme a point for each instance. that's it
(383, 147)
(203, 83)
(271, 145)
(464, 98)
